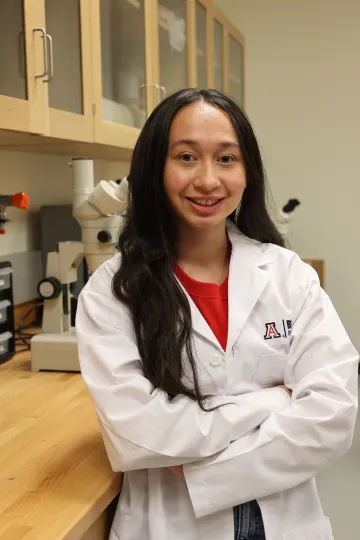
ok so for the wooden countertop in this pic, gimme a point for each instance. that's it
(55, 478)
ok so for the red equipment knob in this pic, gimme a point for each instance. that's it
(20, 200)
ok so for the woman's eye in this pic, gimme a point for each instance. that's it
(186, 157)
(226, 160)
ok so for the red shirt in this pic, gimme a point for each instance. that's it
(212, 302)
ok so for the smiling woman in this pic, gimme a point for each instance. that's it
(196, 147)
(219, 425)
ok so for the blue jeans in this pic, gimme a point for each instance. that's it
(248, 523)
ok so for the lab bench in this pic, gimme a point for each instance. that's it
(55, 479)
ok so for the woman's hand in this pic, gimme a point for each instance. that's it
(178, 470)
(286, 389)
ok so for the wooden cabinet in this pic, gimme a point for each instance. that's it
(123, 68)
(45, 87)
(200, 44)
(92, 71)
(172, 46)
(69, 82)
(21, 90)
(228, 65)
(219, 61)
(235, 76)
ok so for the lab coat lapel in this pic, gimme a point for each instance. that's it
(247, 280)
(199, 324)
(201, 327)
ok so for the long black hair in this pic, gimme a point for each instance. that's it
(145, 281)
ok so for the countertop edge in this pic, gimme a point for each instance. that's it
(78, 529)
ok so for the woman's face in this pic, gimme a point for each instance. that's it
(204, 175)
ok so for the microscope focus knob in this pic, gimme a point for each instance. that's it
(104, 237)
(49, 288)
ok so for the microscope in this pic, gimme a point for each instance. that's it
(285, 216)
(98, 211)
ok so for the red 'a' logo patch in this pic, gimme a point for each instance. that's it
(271, 331)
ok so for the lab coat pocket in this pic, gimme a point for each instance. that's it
(320, 530)
(270, 370)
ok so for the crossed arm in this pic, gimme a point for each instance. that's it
(263, 438)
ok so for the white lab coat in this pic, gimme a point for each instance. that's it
(263, 444)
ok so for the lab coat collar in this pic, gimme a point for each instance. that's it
(247, 280)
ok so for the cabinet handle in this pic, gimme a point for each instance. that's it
(152, 85)
(163, 90)
(157, 88)
(46, 66)
(50, 58)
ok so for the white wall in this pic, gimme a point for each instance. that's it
(47, 180)
(303, 91)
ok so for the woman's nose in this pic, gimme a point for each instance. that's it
(207, 179)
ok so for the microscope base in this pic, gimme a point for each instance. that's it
(55, 352)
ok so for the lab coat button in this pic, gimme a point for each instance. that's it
(215, 361)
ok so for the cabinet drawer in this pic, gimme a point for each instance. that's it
(4, 342)
(4, 281)
(4, 305)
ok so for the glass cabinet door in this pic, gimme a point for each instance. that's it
(236, 67)
(63, 27)
(12, 43)
(172, 46)
(201, 49)
(218, 55)
(122, 28)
